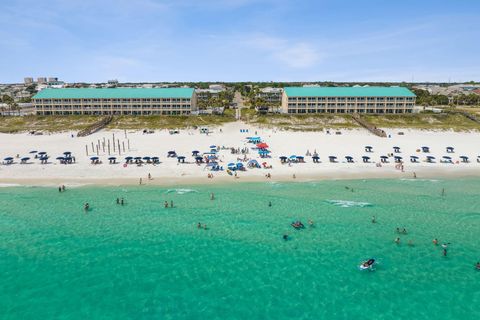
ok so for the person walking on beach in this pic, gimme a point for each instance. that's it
(140, 181)
(149, 176)
(414, 175)
(63, 188)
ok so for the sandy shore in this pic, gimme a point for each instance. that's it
(282, 143)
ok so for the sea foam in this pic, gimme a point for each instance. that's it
(181, 191)
(349, 204)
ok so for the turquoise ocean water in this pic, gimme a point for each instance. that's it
(142, 261)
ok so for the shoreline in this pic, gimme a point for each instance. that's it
(329, 175)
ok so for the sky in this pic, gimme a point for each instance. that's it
(240, 40)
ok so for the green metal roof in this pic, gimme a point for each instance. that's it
(114, 93)
(348, 92)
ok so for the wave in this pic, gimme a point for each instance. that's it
(349, 204)
(181, 191)
(9, 185)
(425, 180)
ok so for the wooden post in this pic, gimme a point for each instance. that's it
(119, 151)
(128, 143)
(97, 150)
(109, 149)
(86, 149)
(125, 133)
(113, 142)
(93, 149)
(123, 145)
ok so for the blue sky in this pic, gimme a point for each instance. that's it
(240, 40)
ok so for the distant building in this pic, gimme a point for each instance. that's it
(271, 95)
(52, 79)
(111, 101)
(41, 80)
(28, 80)
(378, 100)
(205, 94)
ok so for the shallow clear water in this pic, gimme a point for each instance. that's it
(142, 261)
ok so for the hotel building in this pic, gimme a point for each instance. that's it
(115, 101)
(377, 100)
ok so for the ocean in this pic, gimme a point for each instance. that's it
(145, 261)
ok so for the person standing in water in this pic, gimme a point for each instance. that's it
(118, 201)
(212, 196)
(86, 206)
(435, 241)
(171, 203)
(397, 240)
(445, 246)
(140, 181)
(374, 220)
(166, 204)
(269, 203)
(122, 202)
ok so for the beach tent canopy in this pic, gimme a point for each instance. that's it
(239, 165)
(33, 151)
(447, 157)
(180, 157)
(293, 157)
(198, 158)
(253, 162)
(384, 157)
(25, 159)
(42, 152)
(263, 151)
(146, 158)
(138, 158)
(67, 153)
(94, 158)
(213, 147)
(414, 157)
(60, 158)
(450, 149)
(128, 158)
(315, 157)
(8, 159)
(112, 158)
(283, 157)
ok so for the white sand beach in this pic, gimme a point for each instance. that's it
(281, 143)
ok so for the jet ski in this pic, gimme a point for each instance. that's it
(367, 265)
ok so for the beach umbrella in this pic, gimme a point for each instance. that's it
(332, 158)
(262, 145)
(450, 149)
(8, 159)
(195, 152)
(25, 159)
(93, 158)
(396, 149)
(112, 158)
(413, 159)
(398, 159)
(366, 159)
(425, 149)
(464, 159)
(67, 153)
(33, 151)
(137, 158)
(368, 148)
(349, 159)
(146, 158)
(60, 158)
(42, 153)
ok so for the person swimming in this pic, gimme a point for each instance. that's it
(298, 225)
(285, 237)
(404, 231)
(212, 196)
(199, 225)
(398, 230)
(311, 223)
(86, 206)
(435, 241)
(374, 220)
(369, 263)
(397, 240)
(477, 266)
(269, 203)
